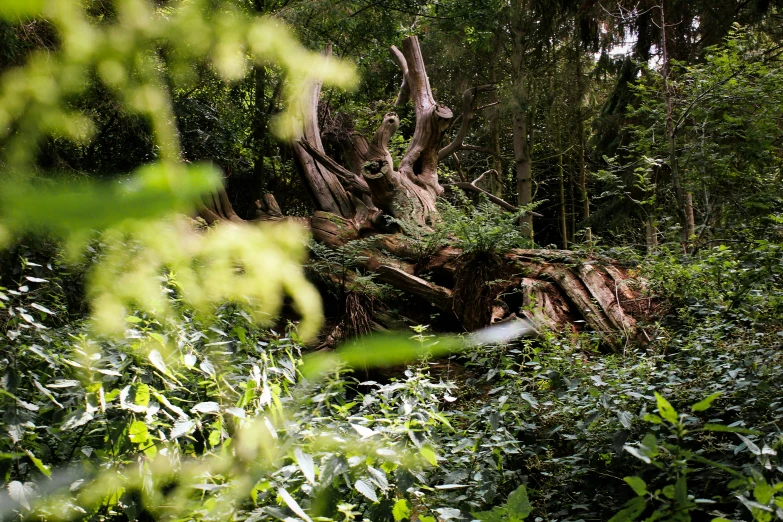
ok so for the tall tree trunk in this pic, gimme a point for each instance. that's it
(563, 212)
(523, 166)
(260, 129)
(671, 134)
(580, 129)
(690, 221)
(496, 186)
(521, 114)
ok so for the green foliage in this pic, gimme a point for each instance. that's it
(516, 508)
(480, 229)
(727, 144)
(673, 501)
(723, 286)
(122, 51)
(441, 439)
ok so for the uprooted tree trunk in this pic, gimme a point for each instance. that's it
(376, 202)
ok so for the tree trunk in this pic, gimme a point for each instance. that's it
(671, 131)
(523, 167)
(520, 121)
(580, 117)
(563, 212)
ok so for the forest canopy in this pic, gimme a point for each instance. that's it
(399, 260)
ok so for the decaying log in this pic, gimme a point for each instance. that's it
(554, 289)
(267, 208)
(439, 296)
(217, 207)
(325, 188)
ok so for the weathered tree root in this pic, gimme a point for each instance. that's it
(554, 289)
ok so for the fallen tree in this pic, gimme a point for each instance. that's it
(373, 201)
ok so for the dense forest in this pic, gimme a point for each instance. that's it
(393, 260)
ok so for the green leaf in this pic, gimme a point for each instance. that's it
(681, 491)
(496, 515)
(638, 485)
(763, 492)
(43, 468)
(653, 418)
(429, 454)
(650, 445)
(665, 409)
(638, 453)
(306, 464)
(518, 504)
(730, 429)
(157, 361)
(293, 504)
(401, 510)
(366, 489)
(706, 403)
(377, 351)
(137, 432)
(633, 509)
(155, 190)
(141, 394)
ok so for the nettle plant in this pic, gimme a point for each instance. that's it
(758, 486)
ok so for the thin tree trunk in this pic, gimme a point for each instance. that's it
(581, 132)
(690, 222)
(260, 130)
(671, 132)
(520, 124)
(524, 171)
(496, 186)
(651, 233)
(563, 212)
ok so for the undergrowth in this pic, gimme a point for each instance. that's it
(187, 420)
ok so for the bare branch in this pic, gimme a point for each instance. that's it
(471, 187)
(404, 93)
(487, 106)
(468, 111)
(419, 165)
(480, 149)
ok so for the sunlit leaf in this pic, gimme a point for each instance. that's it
(706, 403)
(306, 464)
(429, 455)
(637, 484)
(366, 489)
(206, 407)
(665, 409)
(293, 504)
(14, 10)
(38, 463)
(401, 510)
